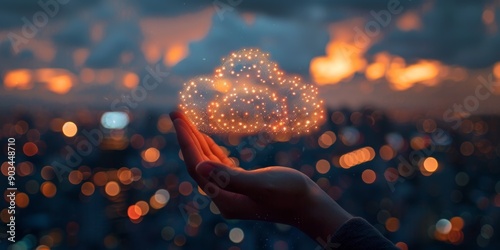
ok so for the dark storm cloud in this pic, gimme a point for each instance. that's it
(291, 44)
(452, 32)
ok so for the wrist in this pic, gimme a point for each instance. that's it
(324, 217)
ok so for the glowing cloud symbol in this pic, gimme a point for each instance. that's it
(249, 94)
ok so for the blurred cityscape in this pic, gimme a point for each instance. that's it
(421, 183)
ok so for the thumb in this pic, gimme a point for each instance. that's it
(232, 179)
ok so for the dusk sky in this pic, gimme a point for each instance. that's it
(397, 55)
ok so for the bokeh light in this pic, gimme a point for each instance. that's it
(369, 176)
(30, 149)
(112, 188)
(114, 120)
(134, 212)
(236, 235)
(69, 129)
(87, 188)
(443, 226)
(392, 224)
(430, 164)
(151, 155)
(357, 157)
(322, 166)
(48, 189)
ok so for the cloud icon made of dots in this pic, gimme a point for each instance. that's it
(249, 94)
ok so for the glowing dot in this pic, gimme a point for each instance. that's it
(443, 226)
(25, 168)
(369, 176)
(75, 177)
(401, 245)
(130, 80)
(112, 188)
(392, 224)
(47, 173)
(457, 223)
(496, 70)
(125, 176)
(386, 152)
(87, 188)
(194, 220)
(327, 139)
(159, 199)
(69, 129)
(48, 189)
(144, 206)
(22, 200)
(114, 120)
(236, 235)
(151, 155)
(185, 188)
(134, 212)
(430, 164)
(30, 149)
(322, 166)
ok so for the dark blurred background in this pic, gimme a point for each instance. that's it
(411, 142)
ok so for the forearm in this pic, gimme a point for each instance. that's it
(323, 217)
(334, 228)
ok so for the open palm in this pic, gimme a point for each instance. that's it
(277, 194)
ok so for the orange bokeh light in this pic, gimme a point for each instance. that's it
(19, 78)
(75, 177)
(48, 189)
(369, 176)
(144, 206)
(430, 164)
(322, 166)
(69, 129)
(357, 157)
(151, 155)
(30, 149)
(87, 188)
(392, 224)
(130, 80)
(22, 200)
(175, 54)
(134, 212)
(112, 188)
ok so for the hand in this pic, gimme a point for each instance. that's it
(276, 194)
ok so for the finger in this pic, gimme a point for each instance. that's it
(190, 151)
(232, 179)
(203, 144)
(217, 151)
(198, 136)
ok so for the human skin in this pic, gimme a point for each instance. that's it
(275, 193)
